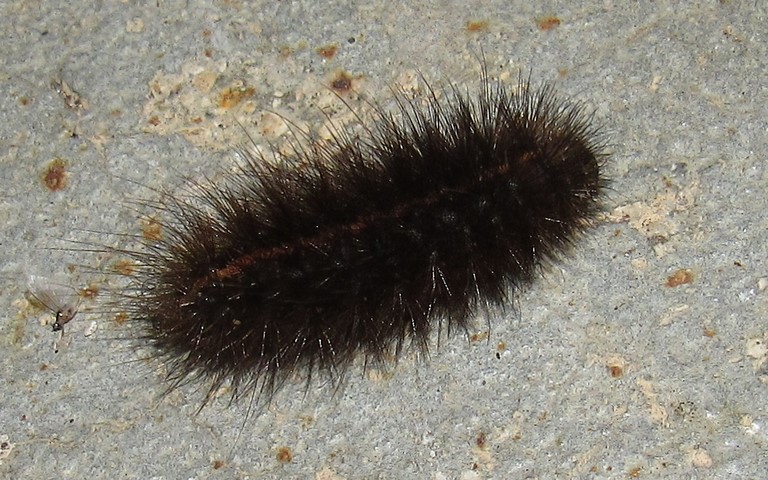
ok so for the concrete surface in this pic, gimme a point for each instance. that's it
(641, 356)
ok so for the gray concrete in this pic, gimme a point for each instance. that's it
(604, 372)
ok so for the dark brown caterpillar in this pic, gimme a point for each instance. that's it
(373, 243)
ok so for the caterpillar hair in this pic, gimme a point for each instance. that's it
(365, 246)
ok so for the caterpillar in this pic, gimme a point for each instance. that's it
(365, 246)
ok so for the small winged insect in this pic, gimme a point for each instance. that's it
(62, 300)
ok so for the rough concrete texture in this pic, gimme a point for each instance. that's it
(643, 355)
